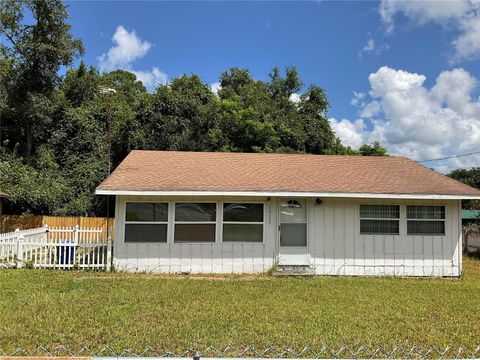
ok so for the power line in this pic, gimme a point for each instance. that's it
(450, 157)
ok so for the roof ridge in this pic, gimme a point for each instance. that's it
(357, 156)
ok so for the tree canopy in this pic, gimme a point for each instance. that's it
(470, 177)
(53, 130)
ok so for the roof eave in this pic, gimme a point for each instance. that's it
(283, 194)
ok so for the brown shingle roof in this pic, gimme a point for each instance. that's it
(218, 171)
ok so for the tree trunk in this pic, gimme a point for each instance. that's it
(28, 141)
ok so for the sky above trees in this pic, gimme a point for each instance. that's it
(403, 73)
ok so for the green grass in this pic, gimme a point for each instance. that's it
(173, 313)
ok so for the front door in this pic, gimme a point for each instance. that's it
(293, 232)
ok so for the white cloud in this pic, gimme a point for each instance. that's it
(467, 45)
(463, 15)
(295, 98)
(419, 122)
(215, 87)
(358, 99)
(128, 48)
(372, 47)
(371, 109)
(351, 133)
(151, 78)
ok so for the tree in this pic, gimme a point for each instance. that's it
(470, 177)
(80, 86)
(36, 53)
(313, 108)
(375, 149)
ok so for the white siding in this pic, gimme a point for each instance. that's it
(335, 245)
(339, 249)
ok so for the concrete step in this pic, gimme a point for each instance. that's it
(294, 270)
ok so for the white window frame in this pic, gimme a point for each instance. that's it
(125, 223)
(407, 219)
(175, 222)
(379, 219)
(222, 222)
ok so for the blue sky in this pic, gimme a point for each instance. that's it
(395, 56)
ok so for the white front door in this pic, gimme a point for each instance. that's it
(293, 232)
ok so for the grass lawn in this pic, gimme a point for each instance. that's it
(173, 313)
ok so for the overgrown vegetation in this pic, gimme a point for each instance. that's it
(173, 313)
(53, 130)
(470, 177)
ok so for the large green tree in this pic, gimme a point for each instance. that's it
(34, 54)
(470, 177)
(56, 131)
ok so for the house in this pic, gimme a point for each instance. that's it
(243, 213)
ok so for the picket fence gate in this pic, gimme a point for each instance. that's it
(56, 248)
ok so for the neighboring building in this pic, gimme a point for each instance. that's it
(470, 217)
(243, 213)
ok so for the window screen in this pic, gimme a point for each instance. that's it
(146, 222)
(293, 222)
(242, 222)
(425, 220)
(380, 219)
(195, 222)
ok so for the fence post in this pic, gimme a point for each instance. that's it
(19, 261)
(109, 254)
(46, 232)
(75, 234)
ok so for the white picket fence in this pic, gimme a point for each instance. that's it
(56, 248)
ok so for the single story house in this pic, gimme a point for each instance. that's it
(220, 212)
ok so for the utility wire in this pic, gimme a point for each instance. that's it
(450, 157)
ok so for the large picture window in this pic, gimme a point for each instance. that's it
(146, 222)
(379, 219)
(242, 222)
(425, 220)
(195, 222)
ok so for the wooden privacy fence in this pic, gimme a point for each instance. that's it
(57, 248)
(9, 223)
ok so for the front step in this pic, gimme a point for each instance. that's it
(294, 270)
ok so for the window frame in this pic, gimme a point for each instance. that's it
(398, 219)
(222, 222)
(175, 222)
(125, 222)
(444, 220)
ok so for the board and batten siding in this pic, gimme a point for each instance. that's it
(338, 247)
(335, 246)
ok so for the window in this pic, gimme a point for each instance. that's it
(425, 220)
(380, 219)
(242, 222)
(146, 222)
(195, 222)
